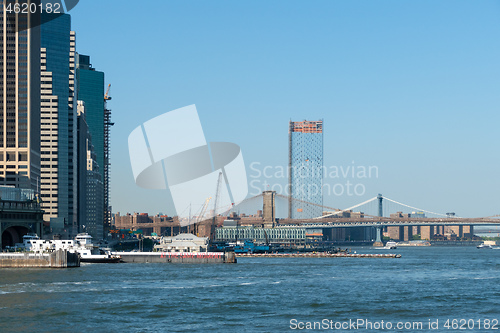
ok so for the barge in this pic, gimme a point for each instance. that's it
(177, 257)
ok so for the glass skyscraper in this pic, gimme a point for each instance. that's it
(305, 169)
(90, 90)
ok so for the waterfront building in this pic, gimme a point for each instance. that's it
(183, 243)
(294, 235)
(20, 214)
(305, 169)
(58, 185)
(157, 224)
(19, 101)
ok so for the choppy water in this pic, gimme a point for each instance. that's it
(257, 294)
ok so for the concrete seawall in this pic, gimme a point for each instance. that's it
(57, 259)
(177, 257)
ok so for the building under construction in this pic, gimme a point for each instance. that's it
(305, 169)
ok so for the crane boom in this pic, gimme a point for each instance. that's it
(203, 210)
(217, 193)
(107, 97)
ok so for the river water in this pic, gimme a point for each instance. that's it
(430, 285)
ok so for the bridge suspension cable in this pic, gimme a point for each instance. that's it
(303, 201)
(418, 209)
(347, 209)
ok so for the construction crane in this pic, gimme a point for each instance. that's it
(203, 210)
(217, 195)
(107, 97)
(200, 216)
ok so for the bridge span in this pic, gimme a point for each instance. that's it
(388, 222)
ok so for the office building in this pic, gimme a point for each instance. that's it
(90, 90)
(19, 102)
(90, 186)
(58, 126)
(305, 169)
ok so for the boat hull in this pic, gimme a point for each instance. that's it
(101, 260)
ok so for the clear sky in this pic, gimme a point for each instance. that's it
(410, 87)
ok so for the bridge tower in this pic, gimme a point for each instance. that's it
(378, 240)
(380, 210)
(269, 208)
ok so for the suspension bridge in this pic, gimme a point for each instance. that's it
(371, 212)
(368, 218)
(375, 215)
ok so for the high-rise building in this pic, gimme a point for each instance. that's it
(58, 125)
(305, 169)
(90, 185)
(90, 90)
(19, 101)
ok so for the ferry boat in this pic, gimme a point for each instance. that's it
(81, 245)
(484, 246)
(26, 244)
(390, 245)
(415, 243)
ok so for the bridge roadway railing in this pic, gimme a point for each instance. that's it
(386, 222)
(343, 222)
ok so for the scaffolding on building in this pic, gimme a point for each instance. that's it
(107, 164)
(305, 168)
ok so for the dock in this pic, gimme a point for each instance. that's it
(317, 255)
(177, 257)
(56, 259)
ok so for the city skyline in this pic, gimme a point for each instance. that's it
(407, 87)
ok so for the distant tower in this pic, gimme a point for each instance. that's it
(269, 207)
(305, 169)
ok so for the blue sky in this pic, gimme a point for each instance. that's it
(411, 87)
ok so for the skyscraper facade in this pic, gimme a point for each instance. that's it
(90, 90)
(19, 101)
(305, 169)
(58, 125)
(90, 185)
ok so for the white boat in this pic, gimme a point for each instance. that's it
(390, 245)
(484, 246)
(90, 253)
(81, 245)
(25, 245)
